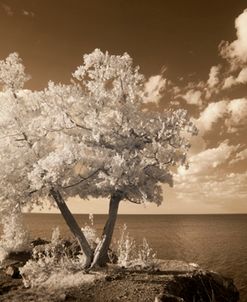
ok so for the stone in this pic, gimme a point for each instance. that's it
(168, 298)
(202, 286)
(12, 271)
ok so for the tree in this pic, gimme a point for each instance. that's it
(12, 77)
(38, 146)
(93, 138)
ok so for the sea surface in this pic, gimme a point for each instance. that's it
(215, 242)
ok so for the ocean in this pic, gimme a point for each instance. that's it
(215, 242)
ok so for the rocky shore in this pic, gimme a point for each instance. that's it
(174, 281)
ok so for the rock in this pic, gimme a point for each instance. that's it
(12, 271)
(21, 257)
(10, 266)
(62, 297)
(173, 281)
(39, 241)
(168, 298)
(201, 286)
(108, 278)
(8, 284)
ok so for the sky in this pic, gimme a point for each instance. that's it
(193, 55)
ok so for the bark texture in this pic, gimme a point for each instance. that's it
(102, 257)
(72, 224)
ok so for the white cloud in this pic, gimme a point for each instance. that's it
(224, 190)
(7, 9)
(210, 115)
(229, 82)
(237, 50)
(242, 77)
(234, 111)
(207, 180)
(239, 156)
(237, 109)
(232, 81)
(204, 182)
(213, 79)
(27, 13)
(193, 97)
(153, 88)
(207, 160)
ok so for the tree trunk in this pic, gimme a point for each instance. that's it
(74, 227)
(102, 256)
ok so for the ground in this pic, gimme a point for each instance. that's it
(174, 281)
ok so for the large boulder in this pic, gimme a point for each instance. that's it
(199, 286)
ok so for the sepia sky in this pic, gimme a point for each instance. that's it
(193, 54)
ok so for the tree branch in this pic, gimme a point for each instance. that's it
(75, 123)
(82, 180)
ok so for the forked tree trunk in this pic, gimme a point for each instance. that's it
(102, 256)
(74, 227)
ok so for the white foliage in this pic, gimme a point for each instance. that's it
(48, 261)
(51, 261)
(14, 238)
(98, 124)
(101, 70)
(130, 255)
(91, 233)
(12, 72)
(95, 125)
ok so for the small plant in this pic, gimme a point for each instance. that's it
(126, 248)
(14, 238)
(51, 259)
(131, 255)
(59, 257)
(91, 233)
(146, 256)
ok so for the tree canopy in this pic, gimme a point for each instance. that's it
(89, 138)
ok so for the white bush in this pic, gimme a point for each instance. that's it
(15, 238)
(91, 233)
(54, 260)
(131, 255)
(49, 260)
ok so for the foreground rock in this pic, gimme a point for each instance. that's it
(175, 281)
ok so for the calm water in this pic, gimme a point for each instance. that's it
(216, 242)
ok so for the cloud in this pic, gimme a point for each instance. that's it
(27, 13)
(211, 114)
(239, 156)
(229, 82)
(236, 52)
(234, 111)
(193, 97)
(195, 93)
(233, 81)
(215, 190)
(237, 109)
(230, 186)
(7, 9)
(242, 77)
(207, 160)
(213, 79)
(206, 182)
(209, 179)
(154, 88)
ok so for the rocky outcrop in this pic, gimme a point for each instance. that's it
(173, 281)
(199, 286)
(190, 283)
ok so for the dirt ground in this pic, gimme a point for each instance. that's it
(176, 281)
(124, 286)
